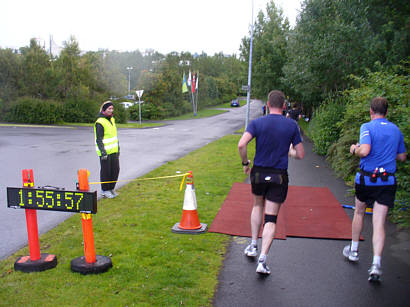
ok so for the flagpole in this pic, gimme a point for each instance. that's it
(197, 90)
(193, 103)
(193, 93)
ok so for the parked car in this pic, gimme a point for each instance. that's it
(127, 104)
(235, 103)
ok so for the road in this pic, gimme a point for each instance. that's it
(56, 153)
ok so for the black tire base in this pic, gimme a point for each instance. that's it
(46, 262)
(101, 265)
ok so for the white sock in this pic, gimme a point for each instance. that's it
(262, 258)
(254, 242)
(377, 260)
(354, 246)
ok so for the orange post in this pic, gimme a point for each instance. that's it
(86, 219)
(32, 234)
(88, 237)
(31, 219)
(83, 179)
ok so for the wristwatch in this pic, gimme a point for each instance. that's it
(354, 149)
(245, 164)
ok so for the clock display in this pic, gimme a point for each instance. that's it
(54, 200)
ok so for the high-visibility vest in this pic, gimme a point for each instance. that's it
(110, 139)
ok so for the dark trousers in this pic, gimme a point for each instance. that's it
(110, 169)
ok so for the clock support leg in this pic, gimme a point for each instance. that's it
(90, 263)
(36, 262)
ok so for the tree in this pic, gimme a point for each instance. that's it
(334, 39)
(389, 21)
(68, 69)
(269, 50)
(10, 64)
(36, 71)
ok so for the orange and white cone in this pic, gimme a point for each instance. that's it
(190, 221)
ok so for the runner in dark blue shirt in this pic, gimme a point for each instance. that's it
(274, 134)
(381, 144)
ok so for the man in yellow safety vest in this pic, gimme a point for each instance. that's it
(108, 149)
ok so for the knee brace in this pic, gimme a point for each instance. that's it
(270, 219)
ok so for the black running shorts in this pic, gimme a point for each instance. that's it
(384, 194)
(270, 183)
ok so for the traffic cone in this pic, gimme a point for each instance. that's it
(190, 221)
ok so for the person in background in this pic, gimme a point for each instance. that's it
(294, 113)
(274, 134)
(108, 148)
(264, 111)
(381, 144)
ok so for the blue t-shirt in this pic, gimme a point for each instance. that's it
(273, 133)
(386, 141)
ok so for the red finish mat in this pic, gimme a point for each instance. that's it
(307, 212)
(315, 213)
(234, 216)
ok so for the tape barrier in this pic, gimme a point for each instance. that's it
(145, 179)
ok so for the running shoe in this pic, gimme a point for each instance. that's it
(262, 268)
(351, 255)
(114, 193)
(375, 272)
(251, 250)
(107, 194)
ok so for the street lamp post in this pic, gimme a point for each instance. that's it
(129, 68)
(248, 98)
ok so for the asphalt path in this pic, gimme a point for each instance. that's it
(56, 153)
(313, 272)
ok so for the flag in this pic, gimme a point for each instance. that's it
(193, 83)
(197, 78)
(184, 87)
(189, 79)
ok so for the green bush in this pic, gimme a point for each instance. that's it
(149, 111)
(120, 113)
(80, 111)
(2, 109)
(324, 129)
(35, 111)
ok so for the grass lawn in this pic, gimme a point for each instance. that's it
(304, 126)
(72, 125)
(129, 125)
(200, 114)
(151, 265)
(211, 111)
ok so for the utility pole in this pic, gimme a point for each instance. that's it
(129, 68)
(51, 39)
(248, 97)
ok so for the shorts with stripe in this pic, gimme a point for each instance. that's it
(270, 183)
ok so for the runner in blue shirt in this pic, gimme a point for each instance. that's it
(274, 134)
(381, 144)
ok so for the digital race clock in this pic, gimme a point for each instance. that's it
(55, 200)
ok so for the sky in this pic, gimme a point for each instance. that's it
(196, 26)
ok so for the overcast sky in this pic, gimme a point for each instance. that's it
(126, 25)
